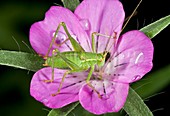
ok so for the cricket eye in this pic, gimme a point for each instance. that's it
(107, 56)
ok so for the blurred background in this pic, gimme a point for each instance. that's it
(16, 17)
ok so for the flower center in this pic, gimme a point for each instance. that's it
(104, 87)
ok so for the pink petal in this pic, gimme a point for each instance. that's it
(42, 91)
(133, 58)
(41, 33)
(102, 16)
(113, 97)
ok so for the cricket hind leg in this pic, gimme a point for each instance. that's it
(53, 41)
(61, 43)
(74, 43)
(88, 81)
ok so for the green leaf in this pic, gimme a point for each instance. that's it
(21, 60)
(64, 111)
(80, 111)
(153, 29)
(135, 106)
(71, 4)
(153, 82)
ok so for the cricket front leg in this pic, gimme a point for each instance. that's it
(74, 43)
(88, 81)
(52, 41)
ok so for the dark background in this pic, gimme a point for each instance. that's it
(150, 11)
(16, 17)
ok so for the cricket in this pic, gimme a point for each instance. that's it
(75, 61)
(79, 60)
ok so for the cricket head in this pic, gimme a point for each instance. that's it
(104, 57)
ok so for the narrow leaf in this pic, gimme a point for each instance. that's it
(21, 60)
(153, 82)
(71, 4)
(64, 111)
(135, 106)
(153, 29)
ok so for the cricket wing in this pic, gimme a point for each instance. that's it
(77, 47)
(70, 64)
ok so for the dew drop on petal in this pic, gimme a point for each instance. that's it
(136, 77)
(139, 57)
(85, 24)
(45, 101)
(60, 37)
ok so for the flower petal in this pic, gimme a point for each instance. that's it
(41, 33)
(43, 91)
(133, 58)
(103, 16)
(113, 96)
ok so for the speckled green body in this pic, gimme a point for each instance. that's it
(80, 60)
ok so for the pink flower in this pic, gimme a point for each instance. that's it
(130, 57)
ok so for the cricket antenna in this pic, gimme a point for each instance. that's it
(134, 11)
(115, 37)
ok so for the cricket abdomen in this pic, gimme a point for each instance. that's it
(83, 60)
